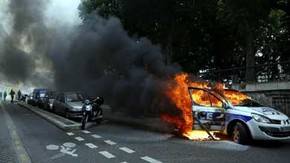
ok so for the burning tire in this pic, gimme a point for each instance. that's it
(240, 134)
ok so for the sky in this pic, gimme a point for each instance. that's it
(58, 13)
(65, 11)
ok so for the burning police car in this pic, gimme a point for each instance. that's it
(237, 115)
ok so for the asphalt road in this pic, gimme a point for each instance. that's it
(27, 137)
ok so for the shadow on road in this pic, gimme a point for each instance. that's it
(270, 144)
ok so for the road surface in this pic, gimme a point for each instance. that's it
(26, 137)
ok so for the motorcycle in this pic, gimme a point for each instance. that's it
(92, 111)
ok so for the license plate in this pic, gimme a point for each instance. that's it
(285, 129)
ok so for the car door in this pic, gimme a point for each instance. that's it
(207, 109)
(56, 103)
(62, 104)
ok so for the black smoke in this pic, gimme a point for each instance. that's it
(103, 60)
(26, 42)
(97, 57)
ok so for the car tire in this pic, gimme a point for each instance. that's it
(240, 134)
(66, 114)
(53, 110)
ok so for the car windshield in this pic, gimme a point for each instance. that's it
(74, 97)
(249, 103)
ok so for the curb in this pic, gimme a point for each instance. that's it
(151, 124)
(60, 122)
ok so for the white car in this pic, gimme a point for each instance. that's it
(242, 122)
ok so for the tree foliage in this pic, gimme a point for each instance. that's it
(206, 35)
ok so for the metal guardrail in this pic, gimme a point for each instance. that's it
(263, 73)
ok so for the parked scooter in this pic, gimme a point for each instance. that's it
(92, 111)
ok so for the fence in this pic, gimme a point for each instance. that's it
(263, 73)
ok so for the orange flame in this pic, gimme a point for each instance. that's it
(235, 97)
(179, 95)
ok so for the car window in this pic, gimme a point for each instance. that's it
(249, 103)
(215, 102)
(75, 97)
(200, 97)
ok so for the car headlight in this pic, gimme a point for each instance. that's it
(88, 108)
(260, 118)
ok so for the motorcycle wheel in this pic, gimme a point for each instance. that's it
(84, 122)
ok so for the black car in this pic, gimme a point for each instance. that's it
(49, 100)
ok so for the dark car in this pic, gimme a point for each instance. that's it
(38, 97)
(69, 104)
(49, 100)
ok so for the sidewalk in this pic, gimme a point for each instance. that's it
(8, 154)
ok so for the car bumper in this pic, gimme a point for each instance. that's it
(261, 131)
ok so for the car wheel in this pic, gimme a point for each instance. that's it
(53, 110)
(240, 134)
(66, 114)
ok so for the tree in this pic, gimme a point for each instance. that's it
(207, 34)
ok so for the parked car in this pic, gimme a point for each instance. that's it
(39, 95)
(69, 104)
(30, 100)
(243, 121)
(49, 100)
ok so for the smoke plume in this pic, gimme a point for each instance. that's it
(23, 47)
(97, 57)
(103, 60)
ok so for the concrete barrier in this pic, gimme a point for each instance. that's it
(60, 122)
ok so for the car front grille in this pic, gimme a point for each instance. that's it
(274, 131)
(275, 121)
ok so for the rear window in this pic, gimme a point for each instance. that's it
(75, 97)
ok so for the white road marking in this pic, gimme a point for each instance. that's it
(96, 136)
(110, 142)
(91, 145)
(52, 147)
(107, 154)
(69, 145)
(70, 133)
(86, 132)
(149, 159)
(79, 138)
(128, 150)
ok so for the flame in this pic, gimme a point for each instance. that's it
(178, 93)
(235, 97)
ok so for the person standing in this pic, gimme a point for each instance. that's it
(5, 95)
(12, 93)
(19, 95)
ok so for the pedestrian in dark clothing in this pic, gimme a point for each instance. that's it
(19, 95)
(12, 93)
(5, 95)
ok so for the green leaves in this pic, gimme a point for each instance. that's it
(205, 34)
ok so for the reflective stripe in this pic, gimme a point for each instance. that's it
(230, 117)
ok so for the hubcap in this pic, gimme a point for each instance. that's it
(236, 134)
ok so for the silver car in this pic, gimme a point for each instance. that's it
(69, 104)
